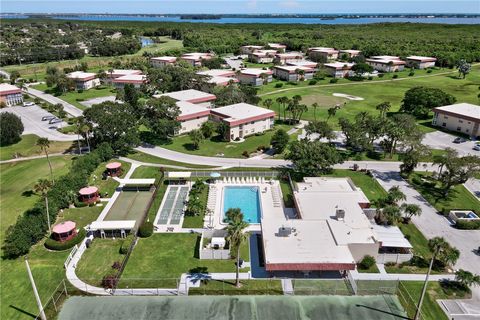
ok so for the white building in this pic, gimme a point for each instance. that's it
(192, 116)
(419, 62)
(84, 80)
(262, 56)
(319, 53)
(136, 79)
(386, 63)
(219, 77)
(191, 95)
(244, 119)
(284, 58)
(195, 58)
(303, 63)
(159, 62)
(460, 117)
(293, 73)
(117, 73)
(349, 53)
(254, 76)
(10, 94)
(249, 49)
(338, 69)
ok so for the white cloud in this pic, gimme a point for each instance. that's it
(289, 4)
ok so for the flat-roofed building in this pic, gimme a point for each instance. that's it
(303, 63)
(10, 95)
(284, 58)
(419, 62)
(219, 77)
(191, 95)
(322, 53)
(160, 62)
(338, 69)
(349, 53)
(293, 73)
(250, 48)
(244, 119)
(460, 117)
(84, 80)
(195, 58)
(277, 46)
(192, 116)
(254, 76)
(117, 73)
(135, 79)
(386, 63)
(262, 56)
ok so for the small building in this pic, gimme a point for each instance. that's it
(222, 81)
(213, 245)
(284, 58)
(262, 56)
(137, 80)
(84, 80)
(159, 62)
(114, 169)
(394, 247)
(117, 73)
(244, 119)
(349, 53)
(419, 62)
(322, 53)
(277, 46)
(192, 116)
(195, 58)
(293, 73)
(89, 195)
(191, 95)
(249, 49)
(10, 95)
(338, 69)
(111, 228)
(303, 63)
(64, 231)
(386, 63)
(254, 76)
(219, 77)
(460, 117)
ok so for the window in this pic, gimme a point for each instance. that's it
(252, 122)
(445, 117)
(459, 129)
(444, 124)
(460, 121)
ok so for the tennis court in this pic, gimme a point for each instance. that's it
(233, 307)
(129, 205)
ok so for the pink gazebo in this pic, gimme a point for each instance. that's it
(64, 231)
(114, 169)
(89, 194)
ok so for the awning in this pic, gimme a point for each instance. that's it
(391, 236)
(178, 174)
(112, 225)
(137, 181)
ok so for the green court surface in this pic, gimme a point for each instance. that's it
(234, 308)
(129, 205)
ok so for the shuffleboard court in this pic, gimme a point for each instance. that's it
(234, 308)
(129, 205)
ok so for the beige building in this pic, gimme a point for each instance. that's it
(460, 117)
(195, 58)
(293, 73)
(349, 53)
(319, 53)
(192, 116)
(197, 97)
(244, 119)
(420, 62)
(117, 73)
(10, 94)
(249, 49)
(219, 77)
(284, 58)
(303, 63)
(386, 63)
(338, 69)
(160, 62)
(135, 79)
(254, 76)
(262, 56)
(84, 80)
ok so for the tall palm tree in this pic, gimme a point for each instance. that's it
(383, 107)
(395, 195)
(283, 101)
(315, 106)
(466, 278)
(236, 235)
(44, 144)
(268, 103)
(42, 187)
(78, 131)
(331, 112)
(410, 210)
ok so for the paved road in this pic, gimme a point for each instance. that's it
(473, 185)
(234, 63)
(443, 140)
(91, 102)
(33, 124)
(69, 108)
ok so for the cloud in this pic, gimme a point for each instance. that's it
(289, 4)
(252, 4)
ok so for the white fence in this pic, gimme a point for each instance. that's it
(394, 257)
(218, 254)
(70, 256)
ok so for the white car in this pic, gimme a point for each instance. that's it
(476, 147)
(28, 104)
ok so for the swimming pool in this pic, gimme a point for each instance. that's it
(245, 198)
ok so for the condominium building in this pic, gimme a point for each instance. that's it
(460, 117)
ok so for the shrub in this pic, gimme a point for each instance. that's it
(60, 246)
(367, 262)
(293, 83)
(334, 80)
(429, 71)
(145, 230)
(395, 76)
(116, 265)
(278, 85)
(126, 244)
(381, 75)
(390, 264)
(109, 281)
(411, 74)
(468, 225)
(312, 82)
(245, 154)
(11, 128)
(370, 78)
(417, 180)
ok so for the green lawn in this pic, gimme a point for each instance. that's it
(457, 198)
(320, 287)
(417, 239)
(144, 172)
(108, 185)
(163, 257)
(143, 157)
(374, 92)
(27, 148)
(97, 260)
(372, 269)
(152, 212)
(197, 221)
(214, 146)
(372, 189)
(249, 287)
(81, 216)
(287, 194)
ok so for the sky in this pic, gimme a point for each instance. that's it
(240, 6)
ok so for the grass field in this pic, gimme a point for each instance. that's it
(372, 189)
(129, 205)
(197, 221)
(81, 216)
(321, 287)
(143, 157)
(249, 287)
(27, 148)
(375, 92)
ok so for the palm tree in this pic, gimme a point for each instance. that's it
(283, 101)
(466, 278)
(44, 144)
(301, 74)
(391, 214)
(331, 112)
(411, 210)
(264, 77)
(395, 195)
(315, 106)
(236, 235)
(78, 131)
(110, 71)
(42, 187)
(383, 107)
(268, 103)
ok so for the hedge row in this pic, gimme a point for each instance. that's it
(468, 225)
(53, 244)
(31, 226)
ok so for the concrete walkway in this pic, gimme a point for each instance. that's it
(32, 158)
(473, 185)
(69, 108)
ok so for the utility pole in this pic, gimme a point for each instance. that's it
(35, 292)
(424, 289)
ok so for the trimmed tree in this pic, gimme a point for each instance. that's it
(11, 128)
(236, 236)
(280, 140)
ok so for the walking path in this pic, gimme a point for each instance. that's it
(32, 158)
(69, 108)
(473, 185)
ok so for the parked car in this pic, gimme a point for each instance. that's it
(55, 120)
(28, 104)
(459, 140)
(48, 118)
(476, 147)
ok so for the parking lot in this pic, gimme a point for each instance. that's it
(32, 121)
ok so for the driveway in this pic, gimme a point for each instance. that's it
(91, 102)
(69, 108)
(234, 63)
(443, 140)
(432, 224)
(33, 124)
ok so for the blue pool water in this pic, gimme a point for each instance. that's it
(245, 198)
